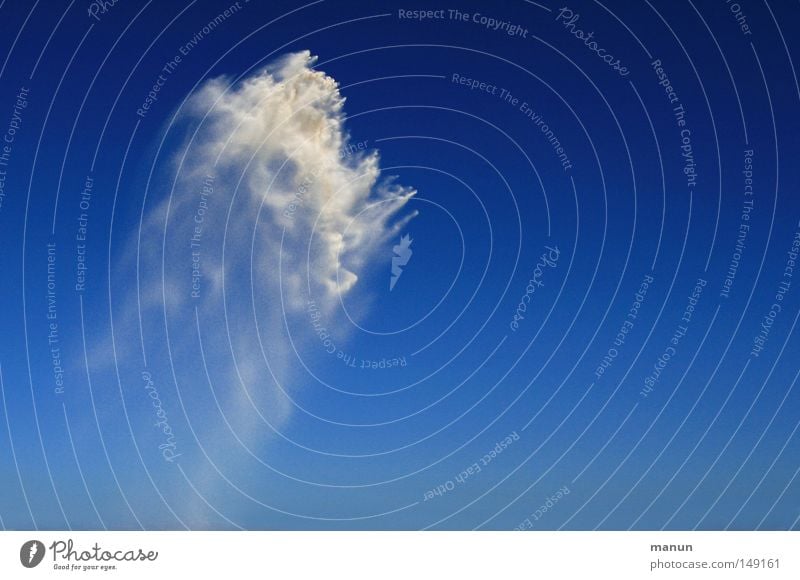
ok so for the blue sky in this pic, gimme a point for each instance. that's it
(596, 317)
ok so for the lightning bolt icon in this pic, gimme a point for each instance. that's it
(33, 552)
(402, 254)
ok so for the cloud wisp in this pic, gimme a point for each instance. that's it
(268, 208)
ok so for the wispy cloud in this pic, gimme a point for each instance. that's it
(265, 212)
(278, 137)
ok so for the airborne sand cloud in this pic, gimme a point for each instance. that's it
(280, 134)
(262, 212)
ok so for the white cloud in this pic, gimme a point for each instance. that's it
(273, 143)
(282, 132)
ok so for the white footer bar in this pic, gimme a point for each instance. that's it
(401, 555)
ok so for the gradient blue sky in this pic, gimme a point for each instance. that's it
(297, 438)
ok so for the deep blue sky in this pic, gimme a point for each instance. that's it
(713, 445)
